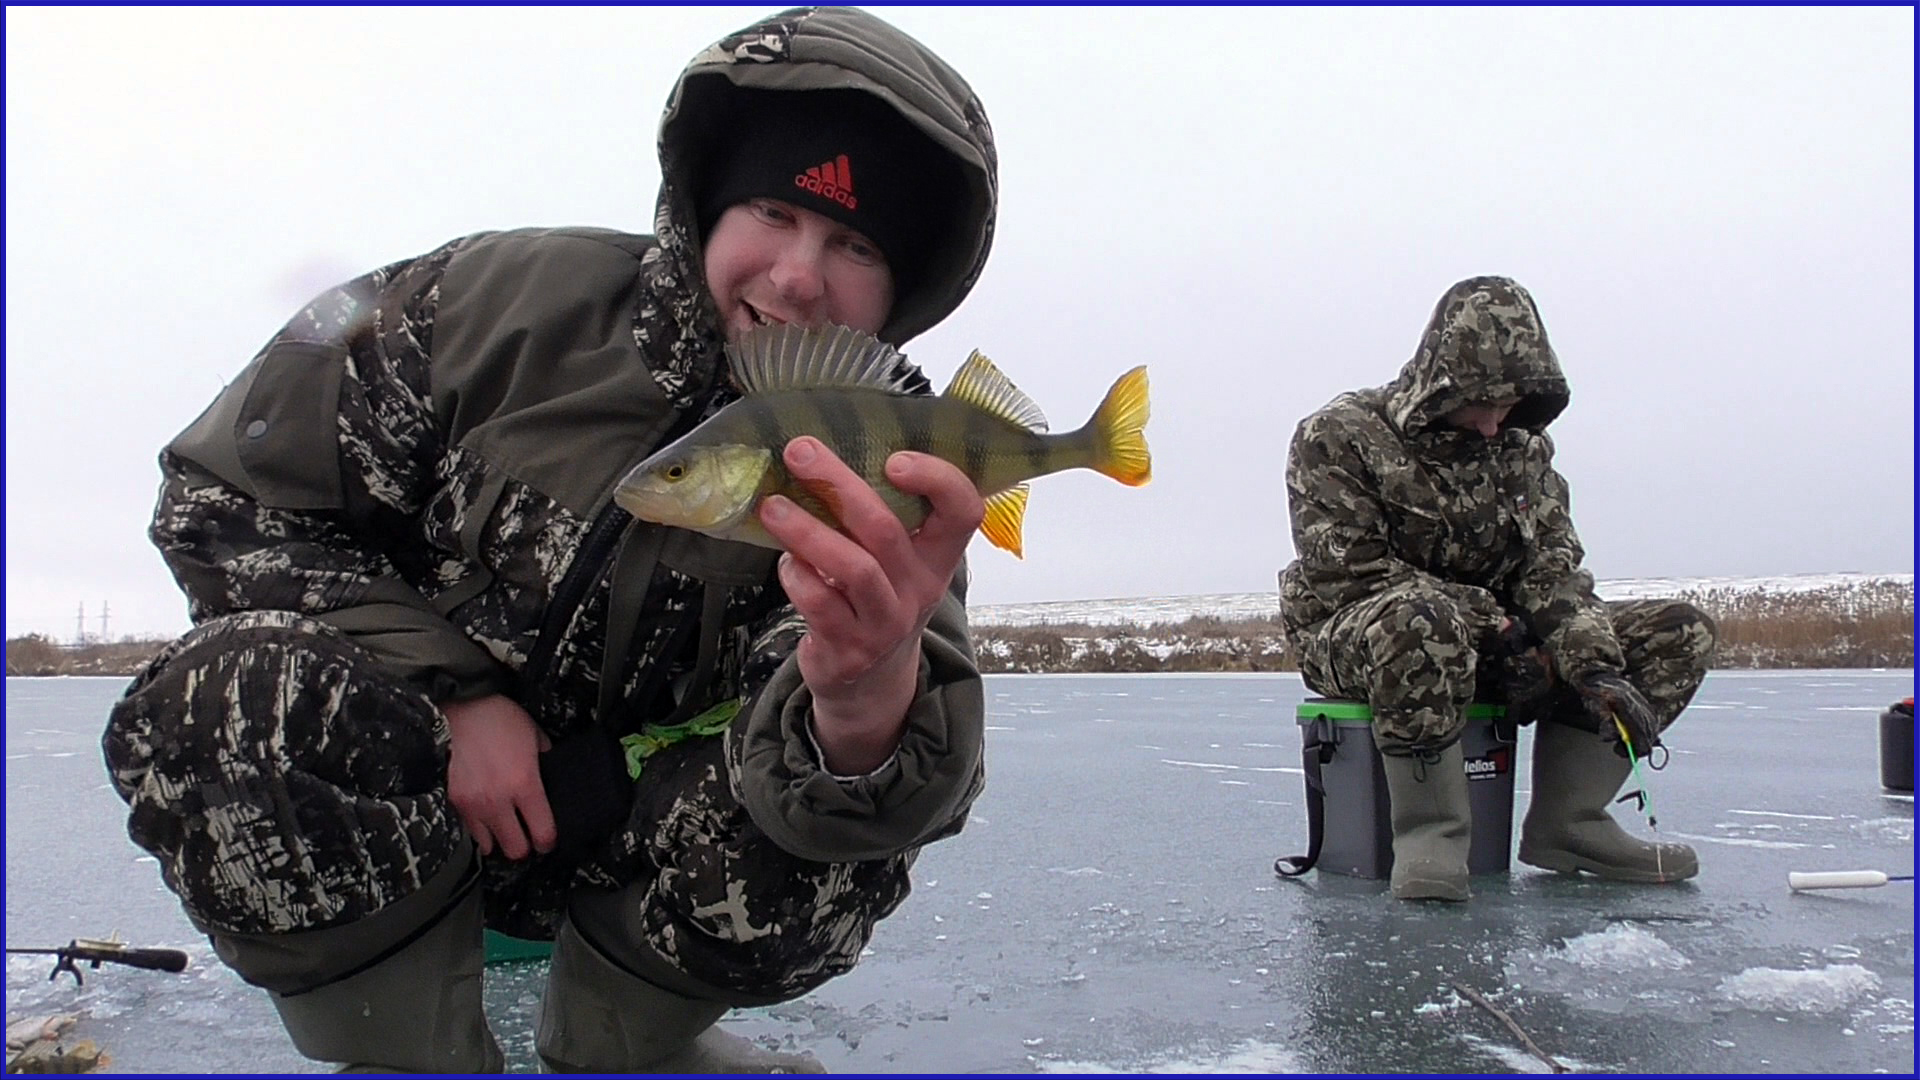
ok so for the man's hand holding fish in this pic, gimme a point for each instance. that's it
(867, 593)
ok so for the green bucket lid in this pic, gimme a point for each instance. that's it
(1356, 712)
(504, 949)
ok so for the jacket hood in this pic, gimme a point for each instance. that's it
(1485, 342)
(835, 49)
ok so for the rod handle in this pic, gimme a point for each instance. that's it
(153, 959)
(1835, 879)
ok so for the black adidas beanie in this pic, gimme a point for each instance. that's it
(845, 154)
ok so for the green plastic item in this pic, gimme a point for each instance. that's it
(657, 737)
(1351, 713)
(503, 949)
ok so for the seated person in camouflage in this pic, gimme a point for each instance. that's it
(427, 645)
(1437, 563)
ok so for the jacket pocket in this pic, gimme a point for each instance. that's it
(274, 431)
(288, 430)
(1419, 535)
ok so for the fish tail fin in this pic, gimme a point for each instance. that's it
(1005, 511)
(1119, 431)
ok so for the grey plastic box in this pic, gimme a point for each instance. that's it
(1357, 831)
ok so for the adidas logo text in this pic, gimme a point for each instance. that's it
(833, 180)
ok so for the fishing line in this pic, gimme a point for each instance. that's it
(1645, 796)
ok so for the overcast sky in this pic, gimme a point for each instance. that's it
(1713, 208)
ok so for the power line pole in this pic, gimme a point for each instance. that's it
(80, 625)
(103, 622)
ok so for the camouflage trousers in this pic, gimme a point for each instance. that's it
(286, 782)
(1409, 654)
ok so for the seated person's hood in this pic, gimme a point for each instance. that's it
(1484, 343)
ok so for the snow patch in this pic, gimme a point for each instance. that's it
(1621, 947)
(1828, 989)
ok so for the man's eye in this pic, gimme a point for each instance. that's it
(771, 211)
(862, 250)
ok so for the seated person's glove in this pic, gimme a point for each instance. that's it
(1607, 695)
(1515, 672)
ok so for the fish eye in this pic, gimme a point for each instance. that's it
(675, 472)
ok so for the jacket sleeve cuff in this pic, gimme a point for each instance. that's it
(820, 755)
(917, 796)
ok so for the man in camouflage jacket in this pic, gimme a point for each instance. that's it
(422, 628)
(1438, 559)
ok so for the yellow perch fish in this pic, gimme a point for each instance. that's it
(842, 387)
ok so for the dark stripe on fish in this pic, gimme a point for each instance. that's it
(843, 428)
(916, 428)
(976, 437)
(1039, 454)
(766, 424)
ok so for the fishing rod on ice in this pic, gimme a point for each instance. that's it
(94, 953)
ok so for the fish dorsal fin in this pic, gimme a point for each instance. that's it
(788, 357)
(1005, 511)
(980, 384)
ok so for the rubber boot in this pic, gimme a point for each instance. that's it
(1576, 774)
(598, 1017)
(1432, 824)
(415, 1006)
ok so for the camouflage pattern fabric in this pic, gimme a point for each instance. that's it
(1406, 654)
(286, 782)
(725, 905)
(1409, 654)
(281, 778)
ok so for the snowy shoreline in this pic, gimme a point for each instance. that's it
(1231, 606)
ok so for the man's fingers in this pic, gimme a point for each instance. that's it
(482, 837)
(869, 522)
(808, 587)
(957, 508)
(540, 827)
(811, 547)
(511, 837)
(537, 816)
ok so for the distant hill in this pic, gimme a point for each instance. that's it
(1148, 610)
(1798, 621)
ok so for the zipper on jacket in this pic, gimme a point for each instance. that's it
(588, 563)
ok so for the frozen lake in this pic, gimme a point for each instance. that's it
(1112, 907)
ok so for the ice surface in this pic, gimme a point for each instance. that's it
(1245, 1057)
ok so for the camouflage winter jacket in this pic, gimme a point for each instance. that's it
(1383, 492)
(425, 457)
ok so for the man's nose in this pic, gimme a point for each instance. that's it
(798, 274)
